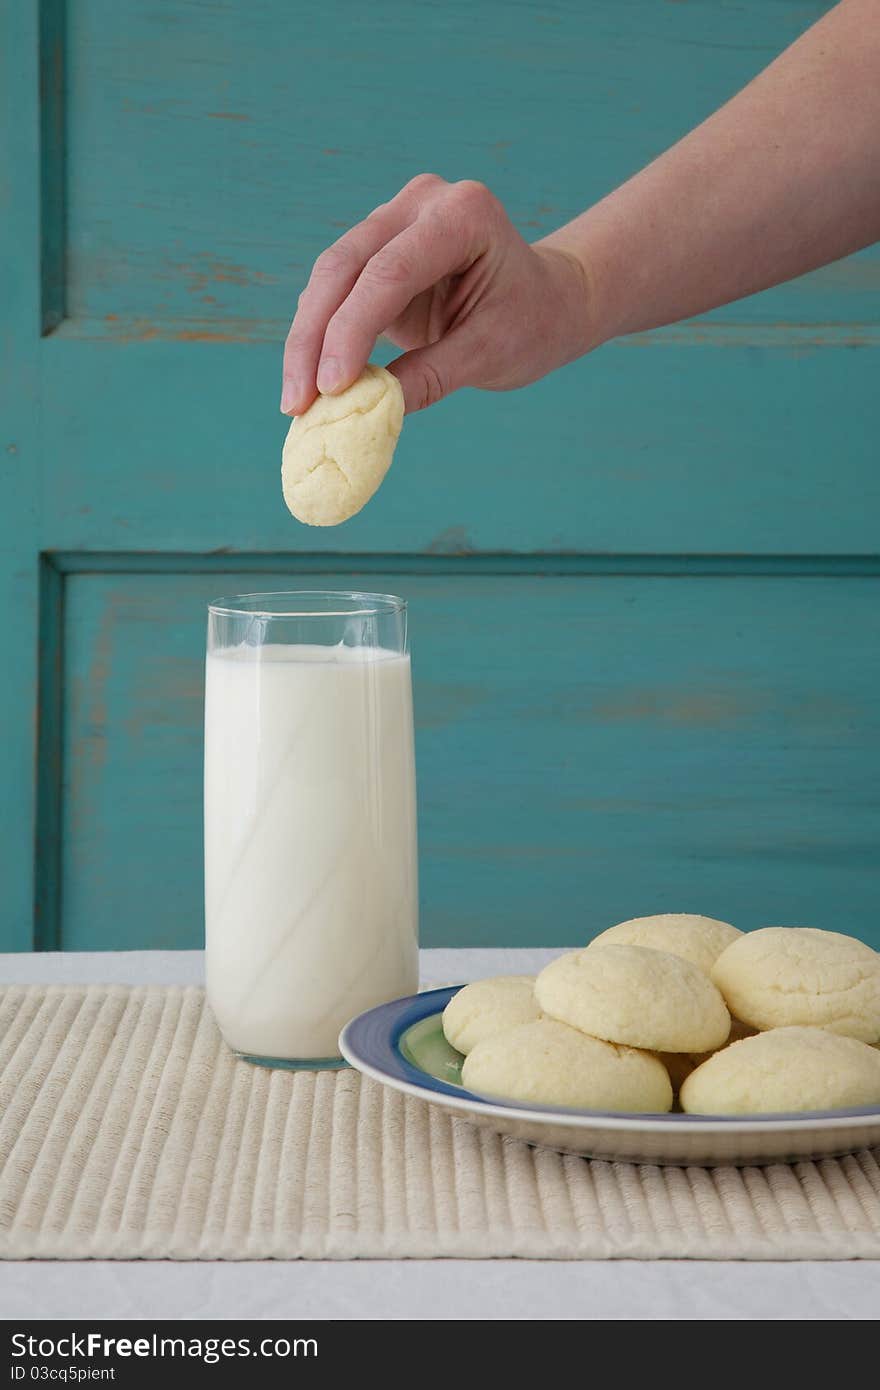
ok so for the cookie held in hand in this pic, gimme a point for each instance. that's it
(338, 451)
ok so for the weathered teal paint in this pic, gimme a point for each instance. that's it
(644, 593)
(19, 461)
(675, 449)
(52, 698)
(52, 165)
(590, 747)
(214, 148)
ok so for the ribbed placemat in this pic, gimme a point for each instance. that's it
(128, 1130)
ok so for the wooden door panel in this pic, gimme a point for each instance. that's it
(213, 150)
(686, 523)
(205, 168)
(668, 449)
(589, 748)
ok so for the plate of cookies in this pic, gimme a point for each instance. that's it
(671, 1039)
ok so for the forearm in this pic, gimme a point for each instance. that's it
(784, 178)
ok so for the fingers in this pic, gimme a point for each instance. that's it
(334, 273)
(431, 248)
(429, 374)
(333, 276)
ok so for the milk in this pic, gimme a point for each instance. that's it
(310, 842)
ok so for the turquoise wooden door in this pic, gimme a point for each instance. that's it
(645, 594)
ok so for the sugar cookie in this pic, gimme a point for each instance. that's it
(637, 996)
(785, 1069)
(338, 451)
(781, 976)
(487, 1007)
(698, 939)
(547, 1063)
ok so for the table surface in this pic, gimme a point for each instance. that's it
(395, 1289)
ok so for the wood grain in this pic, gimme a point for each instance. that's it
(589, 748)
(680, 450)
(214, 148)
(644, 591)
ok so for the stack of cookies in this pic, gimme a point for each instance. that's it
(681, 1008)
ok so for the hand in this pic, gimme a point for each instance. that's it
(443, 273)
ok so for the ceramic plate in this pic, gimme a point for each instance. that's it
(401, 1044)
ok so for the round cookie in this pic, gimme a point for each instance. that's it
(786, 1069)
(338, 451)
(487, 1007)
(637, 996)
(782, 976)
(547, 1063)
(697, 939)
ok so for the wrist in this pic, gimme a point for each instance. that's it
(577, 296)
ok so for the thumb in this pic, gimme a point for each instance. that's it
(429, 374)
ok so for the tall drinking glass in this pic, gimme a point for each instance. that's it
(311, 900)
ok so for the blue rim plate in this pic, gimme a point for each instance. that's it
(375, 1044)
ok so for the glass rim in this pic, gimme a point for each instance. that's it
(260, 605)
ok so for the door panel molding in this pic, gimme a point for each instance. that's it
(50, 750)
(53, 191)
(20, 459)
(183, 562)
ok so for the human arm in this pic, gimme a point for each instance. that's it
(783, 178)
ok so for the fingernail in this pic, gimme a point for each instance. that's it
(289, 396)
(329, 374)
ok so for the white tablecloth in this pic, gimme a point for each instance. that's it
(438, 1289)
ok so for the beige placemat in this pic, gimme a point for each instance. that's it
(128, 1130)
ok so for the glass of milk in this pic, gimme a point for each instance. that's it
(311, 899)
